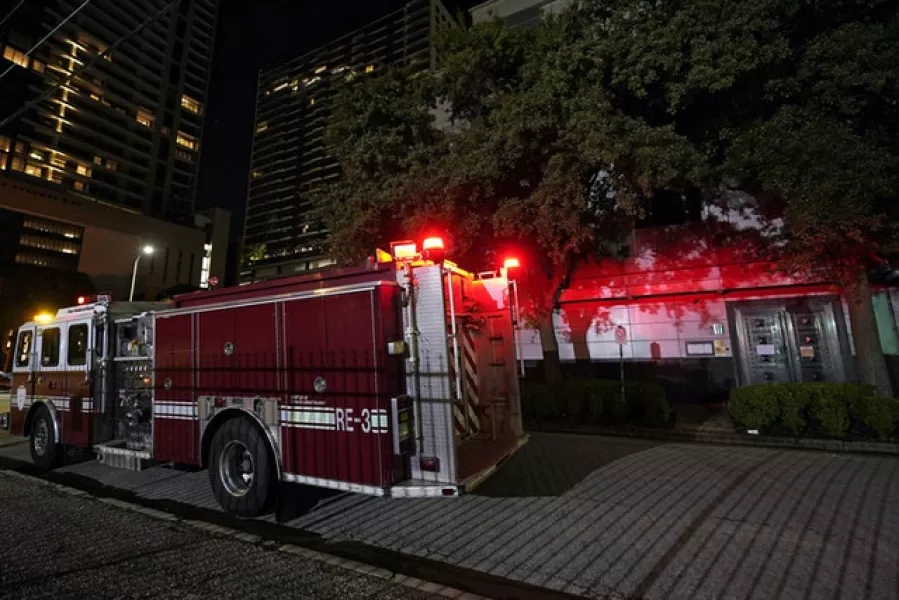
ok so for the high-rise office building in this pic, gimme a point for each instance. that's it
(126, 131)
(290, 157)
(518, 13)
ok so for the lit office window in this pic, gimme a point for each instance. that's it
(40, 243)
(187, 141)
(53, 227)
(190, 104)
(145, 118)
(16, 56)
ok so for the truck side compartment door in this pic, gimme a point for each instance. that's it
(360, 421)
(307, 417)
(175, 423)
(49, 383)
(74, 365)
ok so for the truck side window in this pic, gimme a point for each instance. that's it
(23, 349)
(77, 354)
(50, 347)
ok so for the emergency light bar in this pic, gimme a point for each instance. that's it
(103, 298)
(403, 250)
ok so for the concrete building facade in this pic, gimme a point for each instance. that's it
(125, 117)
(45, 227)
(517, 13)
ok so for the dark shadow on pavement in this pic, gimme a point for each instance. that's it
(550, 464)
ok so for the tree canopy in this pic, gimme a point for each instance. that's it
(545, 139)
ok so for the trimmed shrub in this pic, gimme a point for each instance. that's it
(595, 399)
(793, 401)
(537, 401)
(875, 414)
(755, 407)
(830, 409)
(647, 404)
(570, 395)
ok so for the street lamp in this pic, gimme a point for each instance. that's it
(148, 250)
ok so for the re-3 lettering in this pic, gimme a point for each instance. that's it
(345, 419)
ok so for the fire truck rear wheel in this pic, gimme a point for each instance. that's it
(45, 452)
(241, 469)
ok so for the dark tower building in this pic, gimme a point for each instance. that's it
(289, 153)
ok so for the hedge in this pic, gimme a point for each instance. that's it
(596, 400)
(802, 409)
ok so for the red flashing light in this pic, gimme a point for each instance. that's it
(82, 300)
(433, 249)
(432, 243)
(511, 263)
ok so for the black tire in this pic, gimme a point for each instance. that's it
(241, 437)
(45, 452)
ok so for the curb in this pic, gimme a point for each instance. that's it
(729, 439)
(256, 540)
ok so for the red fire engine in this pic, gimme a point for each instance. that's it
(397, 378)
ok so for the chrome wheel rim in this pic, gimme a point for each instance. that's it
(236, 468)
(41, 437)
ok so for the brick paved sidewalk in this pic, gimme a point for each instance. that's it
(673, 521)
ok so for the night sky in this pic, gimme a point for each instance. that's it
(252, 36)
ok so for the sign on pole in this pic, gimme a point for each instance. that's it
(621, 338)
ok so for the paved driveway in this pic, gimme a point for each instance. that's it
(671, 521)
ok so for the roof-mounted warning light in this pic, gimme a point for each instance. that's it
(511, 268)
(43, 318)
(404, 250)
(433, 249)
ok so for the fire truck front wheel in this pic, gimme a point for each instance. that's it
(241, 468)
(45, 452)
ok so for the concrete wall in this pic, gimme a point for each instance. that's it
(113, 238)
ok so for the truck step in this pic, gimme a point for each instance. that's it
(115, 455)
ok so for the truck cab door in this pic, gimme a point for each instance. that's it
(24, 377)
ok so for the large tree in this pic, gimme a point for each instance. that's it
(557, 133)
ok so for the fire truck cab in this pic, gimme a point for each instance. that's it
(396, 378)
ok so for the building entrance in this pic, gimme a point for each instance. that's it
(798, 339)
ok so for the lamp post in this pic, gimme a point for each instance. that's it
(148, 250)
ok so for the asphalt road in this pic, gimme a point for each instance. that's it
(56, 545)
